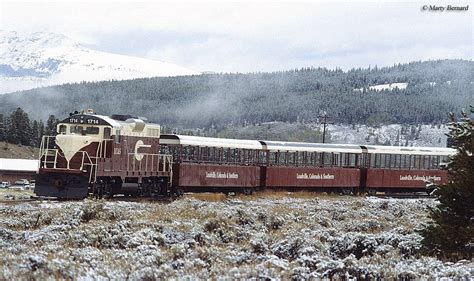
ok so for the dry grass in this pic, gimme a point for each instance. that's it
(8, 150)
(210, 197)
(207, 236)
(14, 196)
(280, 194)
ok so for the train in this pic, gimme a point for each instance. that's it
(102, 156)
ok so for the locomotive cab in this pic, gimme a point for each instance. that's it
(72, 138)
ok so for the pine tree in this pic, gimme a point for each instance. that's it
(3, 128)
(35, 137)
(50, 129)
(12, 136)
(41, 131)
(23, 127)
(451, 233)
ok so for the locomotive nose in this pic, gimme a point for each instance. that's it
(71, 144)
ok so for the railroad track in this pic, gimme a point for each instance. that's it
(23, 199)
(404, 195)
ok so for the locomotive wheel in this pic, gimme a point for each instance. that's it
(107, 191)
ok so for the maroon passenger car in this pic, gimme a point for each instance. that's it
(214, 164)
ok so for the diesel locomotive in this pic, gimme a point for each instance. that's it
(101, 156)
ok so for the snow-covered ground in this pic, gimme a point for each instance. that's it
(394, 134)
(281, 236)
(44, 59)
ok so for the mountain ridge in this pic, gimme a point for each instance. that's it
(46, 59)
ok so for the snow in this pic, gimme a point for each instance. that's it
(44, 59)
(423, 135)
(280, 236)
(24, 165)
(381, 87)
(390, 87)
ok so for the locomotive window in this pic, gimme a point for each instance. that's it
(106, 133)
(76, 129)
(92, 130)
(117, 136)
(62, 129)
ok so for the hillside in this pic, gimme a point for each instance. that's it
(8, 150)
(425, 92)
(393, 134)
(43, 59)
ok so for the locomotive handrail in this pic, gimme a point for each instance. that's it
(166, 161)
(86, 160)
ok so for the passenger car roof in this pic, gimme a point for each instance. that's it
(311, 147)
(210, 142)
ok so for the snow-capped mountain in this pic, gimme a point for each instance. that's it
(44, 59)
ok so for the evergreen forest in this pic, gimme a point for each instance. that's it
(220, 101)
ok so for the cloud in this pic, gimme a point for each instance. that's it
(262, 36)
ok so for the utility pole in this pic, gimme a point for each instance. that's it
(325, 117)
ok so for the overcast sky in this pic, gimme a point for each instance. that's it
(226, 36)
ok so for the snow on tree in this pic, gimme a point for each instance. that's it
(451, 233)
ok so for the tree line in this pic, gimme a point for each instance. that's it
(223, 100)
(17, 128)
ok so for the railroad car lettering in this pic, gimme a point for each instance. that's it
(305, 176)
(328, 176)
(419, 178)
(220, 175)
